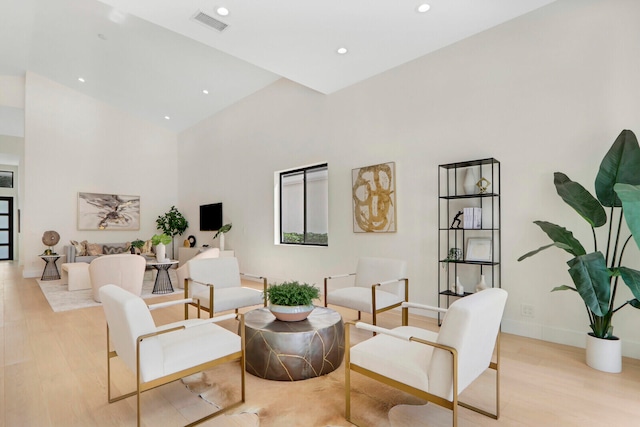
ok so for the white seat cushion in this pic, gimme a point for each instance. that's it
(382, 353)
(172, 352)
(359, 298)
(229, 298)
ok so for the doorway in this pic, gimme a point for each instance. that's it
(6, 228)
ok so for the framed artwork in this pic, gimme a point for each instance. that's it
(478, 249)
(373, 195)
(6, 179)
(108, 212)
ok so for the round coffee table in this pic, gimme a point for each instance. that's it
(291, 351)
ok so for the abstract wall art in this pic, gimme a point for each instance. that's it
(108, 212)
(374, 198)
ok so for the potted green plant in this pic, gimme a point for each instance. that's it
(291, 301)
(136, 244)
(224, 229)
(160, 241)
(596, 276)
(172, 224)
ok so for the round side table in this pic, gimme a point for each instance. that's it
(162, 285)
(291, 351)
(50, 271)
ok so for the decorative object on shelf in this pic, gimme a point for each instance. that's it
(469, 182)
(186, 243)
(291, 301)
(224, 229)
(373, 193)
(160, 241)
(192, 241)
(456, 285)
(595, 276)
(478, 249)
(108, 212)
(483, 185)
(482, 284)
(50, 238)
(459, 287)
(456, 220)
(455, 254)
(172, 224)
(137, 244)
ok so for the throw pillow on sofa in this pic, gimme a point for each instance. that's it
(94, 249)
(81, 247)
(116, 249)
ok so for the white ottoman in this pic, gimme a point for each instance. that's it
(76, 275)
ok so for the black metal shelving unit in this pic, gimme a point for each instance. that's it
(453, 198)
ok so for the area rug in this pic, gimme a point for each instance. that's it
(316, 402)
(61, 299)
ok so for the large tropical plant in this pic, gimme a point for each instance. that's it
(596, 276)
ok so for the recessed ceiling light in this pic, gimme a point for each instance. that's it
(423, 8)
(167, 117)
(342, 50)
(222, 11)
(206, 92)
(80, 79)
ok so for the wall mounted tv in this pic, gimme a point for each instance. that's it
(211, 217)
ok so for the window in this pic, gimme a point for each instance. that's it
(304, 206)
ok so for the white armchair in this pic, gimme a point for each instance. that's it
(380, 284)
(124, 270)
(216, 284)
(434, 366)
(182, 272)
(159, 355)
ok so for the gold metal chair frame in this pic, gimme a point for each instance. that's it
(374, 311)
(144, 386)
(449, 404)
(211, 286)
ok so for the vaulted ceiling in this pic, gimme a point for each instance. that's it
(152, 59)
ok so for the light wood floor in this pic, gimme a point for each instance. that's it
(54, 373)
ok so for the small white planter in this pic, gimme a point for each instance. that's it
(294, 313)
(604, 355)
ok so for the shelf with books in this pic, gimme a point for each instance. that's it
(469, 227)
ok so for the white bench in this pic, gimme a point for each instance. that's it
(76, 274)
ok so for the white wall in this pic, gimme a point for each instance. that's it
(74, 143)
(546, 92)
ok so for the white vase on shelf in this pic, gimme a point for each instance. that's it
(482, 285)
(221, 242)
(469, 182)
(459, 288)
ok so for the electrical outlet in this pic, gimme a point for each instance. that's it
(526, 310)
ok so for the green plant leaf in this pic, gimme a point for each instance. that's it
(630, 196)
(576, 196)
(631, 279)
(634, 303)
(564, 288)
(621, 164)
(562, 237)
(225, 228)
(592, 279)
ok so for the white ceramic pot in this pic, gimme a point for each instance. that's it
(221, 242)
(161, 252)
(604, 355)
(482, 284)
(294, 313)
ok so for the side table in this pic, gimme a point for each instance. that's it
(291, 351)
(162, 285)
(50, 271)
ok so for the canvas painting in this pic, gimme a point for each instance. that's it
(374, 198)
(108, 212)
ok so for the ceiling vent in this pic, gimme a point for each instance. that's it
(209, 21)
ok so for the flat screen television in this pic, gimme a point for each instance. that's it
(211, 217)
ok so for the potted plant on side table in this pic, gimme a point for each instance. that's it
(160, 241)
(596, 276)
(291, 301)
